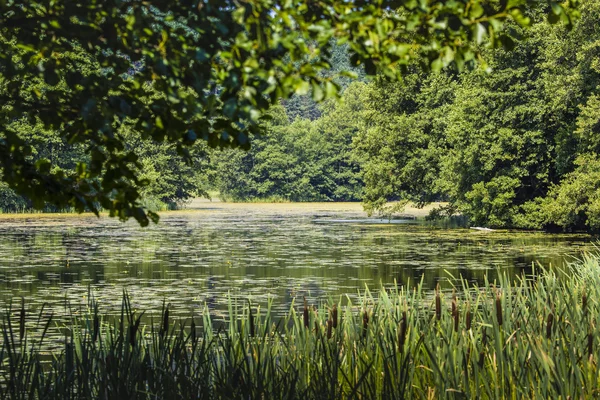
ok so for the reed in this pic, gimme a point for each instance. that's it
(511, 342)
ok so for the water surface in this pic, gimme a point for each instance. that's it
(255, 251)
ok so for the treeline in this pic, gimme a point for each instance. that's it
(515, 146)
(168, 181)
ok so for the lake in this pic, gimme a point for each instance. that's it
(249, 251)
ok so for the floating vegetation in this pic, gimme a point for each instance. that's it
(250, 251)
(533, 338)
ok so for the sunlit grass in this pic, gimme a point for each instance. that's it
(533, 338)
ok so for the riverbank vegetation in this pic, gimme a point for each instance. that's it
(507, 141)
(516, 146)
(533, 337)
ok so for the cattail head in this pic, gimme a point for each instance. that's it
(365, 322)
(251, 321)
(481, 359)
(165, 322)
(454, 302)
(456, 320)
(402, 332)
(455, 314)
(305, 313)
(584, 302)
(22, 320)
(499, 308)
(438, 303)
(590, 344)
(133, 329)
(329, 326)
(469, 317)
(334, 316)
(96, 327)
(193, 331)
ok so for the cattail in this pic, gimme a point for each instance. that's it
(438, 303)
(193, 331)
(549, 325)
(365, 322)
(96, 326)
(590, 344)
(455, 312)
(402, 332)
(329, 326)
(22, 320)
(334, 316)
(454, 302)
(305, 313)
(481, 359)
(165, 323)
(499, 308)
(69, 359)
(584, 302)
(469, 318)
(133, 332)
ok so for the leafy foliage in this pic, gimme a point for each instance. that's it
(179, 72)
(575, 202)
(299, 161)
(506, 148)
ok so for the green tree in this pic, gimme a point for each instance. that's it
(299, 161)
(574, 204)
(498, 146)
(87, 70)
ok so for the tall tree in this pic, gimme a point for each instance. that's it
(183, 71)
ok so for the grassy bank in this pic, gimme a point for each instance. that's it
(533, 338)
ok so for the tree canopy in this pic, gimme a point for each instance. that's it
(176, 73)
(514, 148)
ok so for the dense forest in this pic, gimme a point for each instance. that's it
(514, 143)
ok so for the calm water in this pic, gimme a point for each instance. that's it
(250, 251)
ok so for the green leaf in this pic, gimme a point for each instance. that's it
(302, 88)
(331, 90)
(479, 32)
(476, 11)
(317, 92)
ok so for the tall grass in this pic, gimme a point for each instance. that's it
(532, 338)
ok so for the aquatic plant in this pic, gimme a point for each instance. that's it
(533, 337)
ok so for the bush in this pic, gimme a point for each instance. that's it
(574, 204)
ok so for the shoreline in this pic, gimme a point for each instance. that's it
(203, 205)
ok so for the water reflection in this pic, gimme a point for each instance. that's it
(196, 258)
